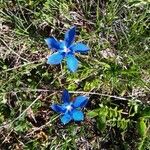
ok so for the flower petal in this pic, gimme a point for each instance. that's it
(61, 45)
(65, 118)
(52, 43)
(72, 62)
(55, 58)
(77, 115)
(79, 47)
(65, 96)
(70, 36)
(58, 108)
(80, 101)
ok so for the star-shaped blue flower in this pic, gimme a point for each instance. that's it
(70, 110)
(65, 49)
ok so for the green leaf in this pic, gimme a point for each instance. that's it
(92, 114)
(146, 112)
(141, 126)
(1, 118)
(122, 123)
(101, 122)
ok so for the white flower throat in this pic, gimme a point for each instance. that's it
(69, 107)
(66, 50)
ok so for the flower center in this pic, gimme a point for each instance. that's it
(66, 50)
(69, 107)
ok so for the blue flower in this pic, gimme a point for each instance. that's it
(70, 110)
(65, 49)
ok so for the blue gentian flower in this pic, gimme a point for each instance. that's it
(65, 49)
(70, 110)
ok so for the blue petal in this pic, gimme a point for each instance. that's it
(77, 115)
(55, 58)
(58, 108)
(65, 96)
(65, 118)
(52, 43)
(72, 62)
(70, 36)
(80, 101)
(62, 45)
(79, 47)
